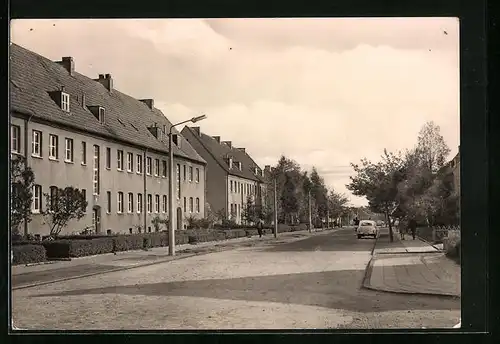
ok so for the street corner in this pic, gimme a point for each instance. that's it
(412, 274)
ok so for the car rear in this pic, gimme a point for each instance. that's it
(367, 228)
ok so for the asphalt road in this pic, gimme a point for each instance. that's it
(311, 283)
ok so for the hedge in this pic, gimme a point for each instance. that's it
(28, 253)
(79, 246)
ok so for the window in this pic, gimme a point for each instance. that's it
(101, 114)
(231, 186)
(53, 147)
(164, 168)
(108, 201)
(239, 210)
(119, 160)
(130, 162)
(53, 197)
(139, 163)
(15, 138)
(178, 181)
(185, 204)
(65, 101)
(84, 153)
(37, 199)
(108, 158)
(150, 203)
(184, 170)
(157, 167)
(190, 204)
(139, 203)
(157, 203)
(130, 202)
(164, 204)
(69, 150)
(36, 149)
(96, 186)
(232, 210)
(84, 193)
(190, 174)
(197, 205)
(197, 175)
(148, 165)
(120, 202)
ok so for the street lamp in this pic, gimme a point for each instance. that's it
(171, 208)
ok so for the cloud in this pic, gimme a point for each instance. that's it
(324, 92)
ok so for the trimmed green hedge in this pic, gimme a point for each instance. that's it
(79, 246)
(26, 253)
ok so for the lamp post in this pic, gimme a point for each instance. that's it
(310, 215)
(275, 209)
(171, 196)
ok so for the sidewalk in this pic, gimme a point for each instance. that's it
(384, 246)
(412, 267)
(26, 276)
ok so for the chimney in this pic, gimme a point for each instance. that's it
(241, 149)
(68, 64)
(197, 130)
(216, 138)
(229, 143)
(107, 81)
(149, 102)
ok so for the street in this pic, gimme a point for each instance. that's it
(310, 282)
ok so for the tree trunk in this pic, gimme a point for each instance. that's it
(391, 235)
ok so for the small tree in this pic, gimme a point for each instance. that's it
(64, 205)
(22, 180)
(158, 223)
(249, 213)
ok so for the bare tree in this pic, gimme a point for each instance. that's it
(431, 146)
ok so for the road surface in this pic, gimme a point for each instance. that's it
(310, 283)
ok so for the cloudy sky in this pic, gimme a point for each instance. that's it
(325, 92)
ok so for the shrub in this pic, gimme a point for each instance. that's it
(452, 245)
(28, 253)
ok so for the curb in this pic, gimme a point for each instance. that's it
(39, 263)
(123, 268)
(407, 252)
(428, 243)
(368, 274)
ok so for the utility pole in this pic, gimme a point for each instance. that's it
(310, 215)
(275, 208)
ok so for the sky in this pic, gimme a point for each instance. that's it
(324, 92)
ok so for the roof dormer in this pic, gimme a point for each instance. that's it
(61, 98)
(156, 131)
(99, 112)
(229, 160)
(176, 139)
(239, 164)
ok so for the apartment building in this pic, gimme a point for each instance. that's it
(232, 175)
(82, 132)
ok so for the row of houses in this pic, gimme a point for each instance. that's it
(82, 132)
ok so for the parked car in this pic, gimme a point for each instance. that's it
(367, 228)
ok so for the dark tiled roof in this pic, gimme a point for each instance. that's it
(221, 150)
(127, 119)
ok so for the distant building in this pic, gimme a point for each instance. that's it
(232, 175)
(82, 132)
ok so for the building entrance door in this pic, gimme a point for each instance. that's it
(96, 219)
(179, 218)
